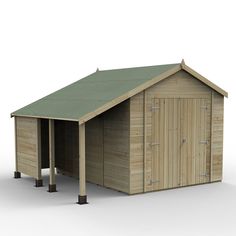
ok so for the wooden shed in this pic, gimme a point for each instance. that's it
(134, 130)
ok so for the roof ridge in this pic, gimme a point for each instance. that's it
(138, 67)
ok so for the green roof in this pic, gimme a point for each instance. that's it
(90, 93)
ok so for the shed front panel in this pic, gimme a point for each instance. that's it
(185, 95)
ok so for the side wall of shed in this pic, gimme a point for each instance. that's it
(28, 142)
(217, 136)
(116, 147)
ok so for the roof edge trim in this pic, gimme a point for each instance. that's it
(43, 117)
(204, 80)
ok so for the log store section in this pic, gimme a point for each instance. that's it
(164, 130)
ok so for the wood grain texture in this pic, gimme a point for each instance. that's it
(94, 150)
(116, 148)
(82, 166)
(136, 143)
(28, 146)
(181, 85)
(217, 136)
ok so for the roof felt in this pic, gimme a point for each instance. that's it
(90, 93)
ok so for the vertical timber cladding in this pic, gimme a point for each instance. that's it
(181, 141)
(28, 146)
(178, 86)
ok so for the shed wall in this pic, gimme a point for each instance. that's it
(94, 150)
(136, 143)
(179, 85)
(66, 147)
(28, 156)
(116, 147)
(217, 136)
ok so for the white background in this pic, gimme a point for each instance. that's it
(45, 45)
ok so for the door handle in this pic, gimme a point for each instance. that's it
(184, 140)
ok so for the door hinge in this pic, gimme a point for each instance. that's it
(204, 142)
(154, 108)
(153, 144)
(205, 175)
(154, 181)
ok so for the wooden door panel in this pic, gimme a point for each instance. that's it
(180, 142)
(165, 147)
(194, 141)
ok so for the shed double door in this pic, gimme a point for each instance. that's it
(180, 142)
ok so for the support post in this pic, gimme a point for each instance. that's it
(144, 138)
(38, 179)
(52, 184)
(17, 174)
(82, 198)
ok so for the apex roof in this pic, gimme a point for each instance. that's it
(98, 92)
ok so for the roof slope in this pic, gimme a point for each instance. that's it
(86, 95)
(102, 90)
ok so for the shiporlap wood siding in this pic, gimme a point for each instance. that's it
(28, 146)
(217, 136)
(94, 150)
(116, 148)
(178, 86)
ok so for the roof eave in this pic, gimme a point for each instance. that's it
(44, 117)
(129, 94)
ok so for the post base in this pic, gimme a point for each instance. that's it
(38, 183)
(52, 188)
(17, 175)
(82, 200)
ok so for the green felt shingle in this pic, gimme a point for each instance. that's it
(90, 93)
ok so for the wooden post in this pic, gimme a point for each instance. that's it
(144, 138)
(17, 174)
(82, 199)
(52, 184)
(38, 180)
